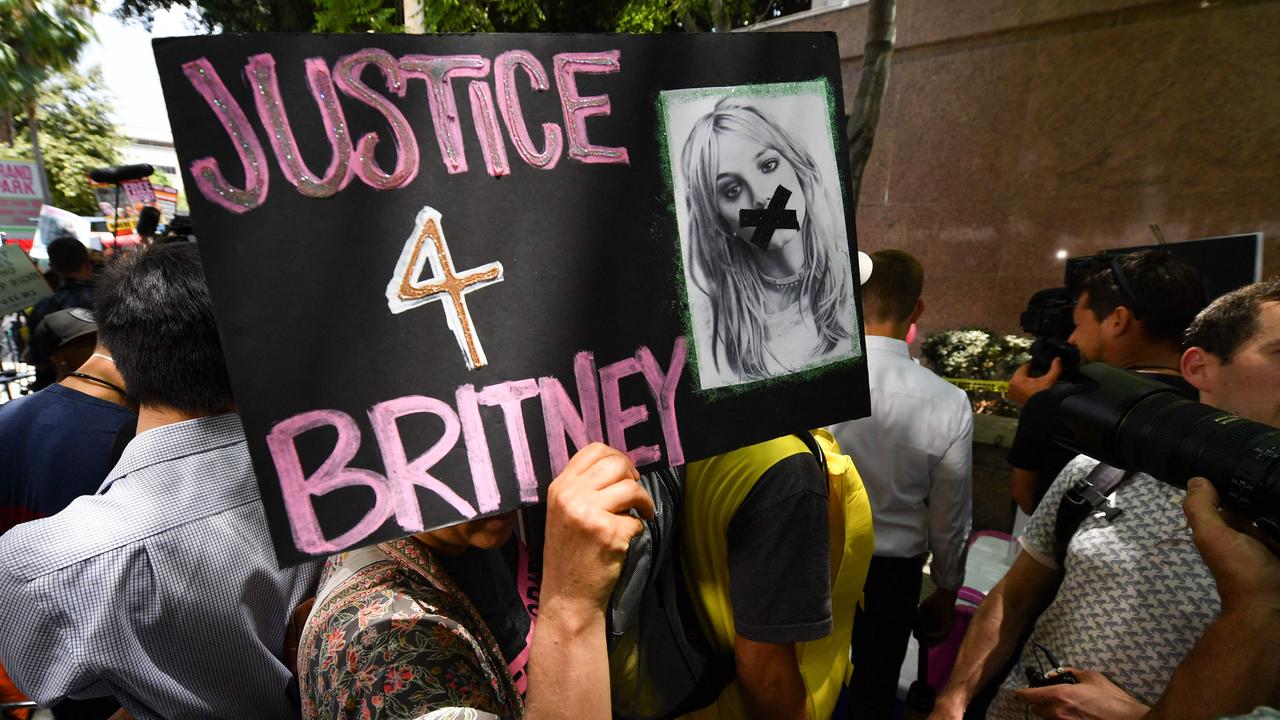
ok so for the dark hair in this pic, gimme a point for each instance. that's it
(148, 219)
(1161, 290)
(1231, 320)
(155, 315)
(894, 287)
(67, 255)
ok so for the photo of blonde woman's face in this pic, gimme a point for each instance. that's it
(747, 175)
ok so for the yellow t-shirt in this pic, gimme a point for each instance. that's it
(714, 489)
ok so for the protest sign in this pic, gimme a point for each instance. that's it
(21, 195)
(21, 284)
(120, 203)
(53, 223)
(441, 264)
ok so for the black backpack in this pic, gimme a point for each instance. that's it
(660, 661)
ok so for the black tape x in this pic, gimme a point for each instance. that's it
(766, 220)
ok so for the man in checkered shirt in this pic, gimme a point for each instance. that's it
(162, 589)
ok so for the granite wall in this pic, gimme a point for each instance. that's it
(1013, 129)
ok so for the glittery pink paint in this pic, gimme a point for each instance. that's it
(405, 475)
(346, 73)
(210, 181)
(438, 72)
(577, 108)
(561, 417)
(508, 396)
(504, 79)
(616, 418)
(485, 117)
(297, 489)
(261, 71)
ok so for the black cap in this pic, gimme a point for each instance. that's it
(61, 327)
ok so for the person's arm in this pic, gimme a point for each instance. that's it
(1025, 484)
(588, 531)
(950, 516)
(779, 583)
(769, 678)
(37, 632)
(1234, 667)
(1010, 608)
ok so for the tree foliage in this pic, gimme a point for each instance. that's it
(38, 40)
(471, 15)
(76, 134)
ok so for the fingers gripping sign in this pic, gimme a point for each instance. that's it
(589, 526)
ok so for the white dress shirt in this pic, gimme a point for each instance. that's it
(915, 456)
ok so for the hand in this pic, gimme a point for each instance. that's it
(936, 617)
(1094, 697)
(1248, 574)
(589, 528)
(1022, 385)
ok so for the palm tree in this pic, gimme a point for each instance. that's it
(37, 41)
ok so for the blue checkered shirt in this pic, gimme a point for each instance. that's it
(162, 589)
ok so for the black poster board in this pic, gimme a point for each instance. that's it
(440, 263)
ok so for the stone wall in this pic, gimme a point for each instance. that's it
(1014, 129)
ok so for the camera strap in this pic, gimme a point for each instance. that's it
(1085, 499)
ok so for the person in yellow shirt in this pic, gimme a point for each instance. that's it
(775, 552)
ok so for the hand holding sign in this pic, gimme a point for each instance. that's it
(589, 528)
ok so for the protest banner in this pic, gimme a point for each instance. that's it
(441, 264)
(53, 223)
(21, 195)
(21, 284)
(166, 202)
(120, 203)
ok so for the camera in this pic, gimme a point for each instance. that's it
(1048, 319)
(1036, 678)
(1135, 423)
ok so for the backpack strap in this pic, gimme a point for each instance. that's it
(1085, 499)
(812, 443)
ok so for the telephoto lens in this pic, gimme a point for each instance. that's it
(1135, 423)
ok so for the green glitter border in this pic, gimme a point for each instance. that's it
(800, 87)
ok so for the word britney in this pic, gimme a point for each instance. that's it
(394, 492)
(356, 158)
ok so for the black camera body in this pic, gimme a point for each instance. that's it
(1048, 319)
(1135, 423)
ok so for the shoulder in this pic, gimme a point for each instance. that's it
(382, 624)
(82, 536)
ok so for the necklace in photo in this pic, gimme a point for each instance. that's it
(782, 282)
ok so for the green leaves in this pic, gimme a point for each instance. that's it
(38, 40)
(76, 136)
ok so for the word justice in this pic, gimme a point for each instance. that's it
(350, 158)
(394, 492)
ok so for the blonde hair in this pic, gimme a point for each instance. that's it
(721, 263)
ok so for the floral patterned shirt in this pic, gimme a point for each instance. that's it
(397, 640)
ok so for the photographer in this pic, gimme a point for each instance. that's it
(1132, 593)
(1130, 312)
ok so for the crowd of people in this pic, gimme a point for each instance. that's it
(139, 579)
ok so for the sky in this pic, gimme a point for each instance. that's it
(124, 53)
